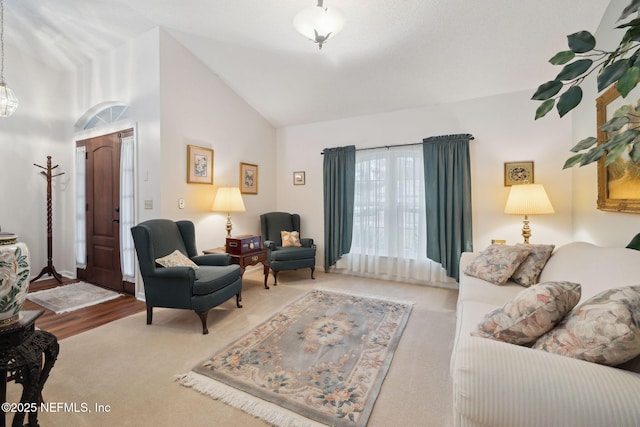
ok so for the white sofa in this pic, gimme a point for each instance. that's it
(504, 385)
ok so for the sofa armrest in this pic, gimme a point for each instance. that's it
(499, 384)
(270, 244)
(306, 242)
(212, 259)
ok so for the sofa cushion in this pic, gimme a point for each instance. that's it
(531, 314)
(497, 263)
(604, 329)
(292, 253)
(290, 238)
(176, 259)
(528, 272)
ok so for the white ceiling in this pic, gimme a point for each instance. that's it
(392, 54)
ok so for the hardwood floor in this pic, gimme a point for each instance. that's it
(68, 324)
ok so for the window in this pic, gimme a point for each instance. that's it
(389, 224)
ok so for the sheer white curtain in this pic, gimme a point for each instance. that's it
(127, 208)
(81, 220)
(389, 224)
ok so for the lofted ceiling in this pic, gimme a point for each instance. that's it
(391, 55)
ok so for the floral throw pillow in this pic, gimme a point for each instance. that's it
(176, 259)
(497, 263)
(604, 329)
(290, 238)
(528, 272)
(531, 314)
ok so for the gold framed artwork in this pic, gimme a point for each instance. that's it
(199, 165)
(518, 173)
(248, 178)
(298, 178)
(618, 183)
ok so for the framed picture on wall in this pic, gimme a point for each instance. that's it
(618, 183)
(518, 173)
(248, 178)
(199, 165)
(298, 178)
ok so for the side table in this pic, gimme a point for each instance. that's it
(244, 260)
(21, 352)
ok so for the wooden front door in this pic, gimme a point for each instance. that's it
(103, 200)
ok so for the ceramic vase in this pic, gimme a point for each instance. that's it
(14, 280)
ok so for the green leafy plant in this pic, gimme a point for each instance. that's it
(620, 67)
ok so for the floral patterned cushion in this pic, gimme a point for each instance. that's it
(528, 272)
(290, 238)
(531, 314)
(604, 329)
(176, 259)
(497, 263)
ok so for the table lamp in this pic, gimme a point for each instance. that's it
(228, 199)
(528, 199)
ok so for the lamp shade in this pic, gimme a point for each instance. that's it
(319, 23)
(228, 199)
(528, 199)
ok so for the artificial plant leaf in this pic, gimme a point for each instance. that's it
(623, 138)
(581, 42)
(584, 144)
(569, 100)
(572, 161)
(632, 23)
(628, 81)
(592, 155)
(547, 90)
(632, 7)
(612, 73)
(544, 108)
(574, 69)
(635, 152)
(562, 58)
(614, 153)
(615, 124)
(622, 111)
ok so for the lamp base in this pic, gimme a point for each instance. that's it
(229, 225)
(526, 230)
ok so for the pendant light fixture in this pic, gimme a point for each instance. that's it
(319, 23)
(8, 100)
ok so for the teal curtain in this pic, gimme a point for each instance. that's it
(447, 178)
(339, 176)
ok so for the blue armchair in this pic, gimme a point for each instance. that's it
(290, 257)
(214, 282)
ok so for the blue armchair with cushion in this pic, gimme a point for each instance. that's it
(302, 254)
(207, 283)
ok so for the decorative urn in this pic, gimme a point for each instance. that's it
(14, 277)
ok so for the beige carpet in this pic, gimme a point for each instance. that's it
(129, 368)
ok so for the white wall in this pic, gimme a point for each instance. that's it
(40, 127)
(590, 224)
(504, 130)
(200, 109)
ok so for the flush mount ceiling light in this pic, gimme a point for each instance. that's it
(8, 100)
(319, 23)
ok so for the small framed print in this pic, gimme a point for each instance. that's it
(298, 178)
(248, 178)
(518, 173)
(199, 165)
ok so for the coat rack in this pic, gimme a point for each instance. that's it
(50, 269)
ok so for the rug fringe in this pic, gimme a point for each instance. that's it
(273, 414)
(370, 296)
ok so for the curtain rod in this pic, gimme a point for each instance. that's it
(389, 146)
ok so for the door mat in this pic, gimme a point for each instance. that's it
(63, 299)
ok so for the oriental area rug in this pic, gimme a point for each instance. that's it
(63, 299)
(320, 361)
